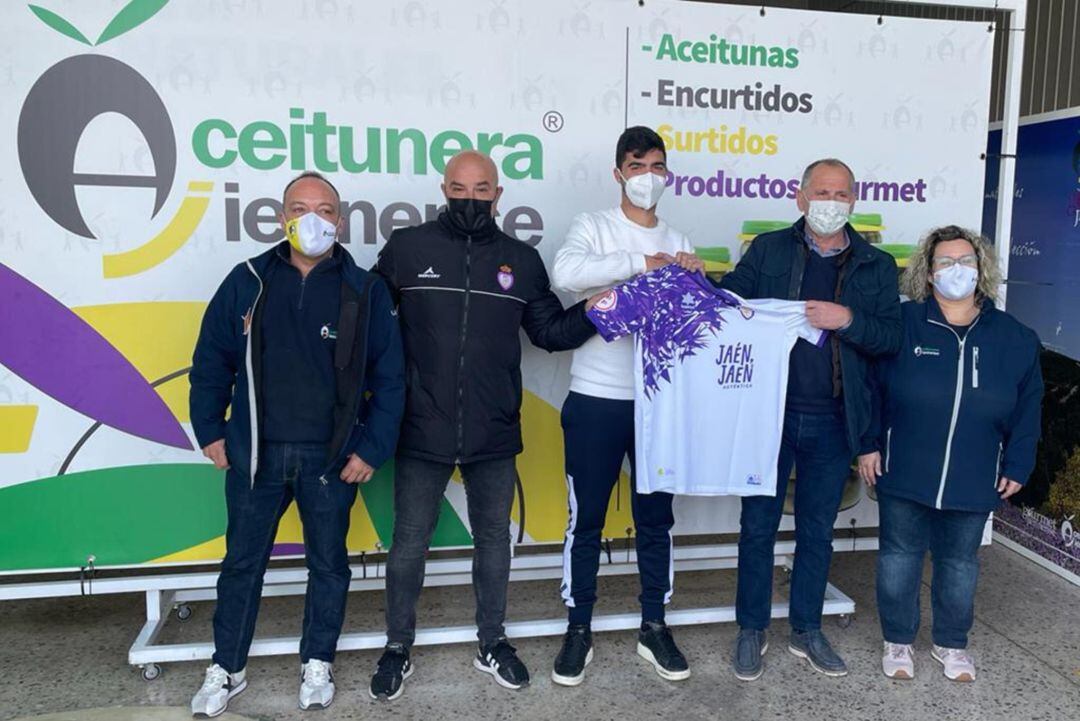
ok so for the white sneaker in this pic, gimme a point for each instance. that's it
(316, 684)
(219, 686)
(897, 661)
(957, 662)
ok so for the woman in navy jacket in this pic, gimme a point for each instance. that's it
(956, 423)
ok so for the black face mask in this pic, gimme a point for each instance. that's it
(470, 215)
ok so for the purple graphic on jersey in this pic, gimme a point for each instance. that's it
(677, 308)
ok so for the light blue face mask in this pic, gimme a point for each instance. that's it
(957, 282)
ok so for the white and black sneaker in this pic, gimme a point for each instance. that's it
(576, 653)
(657, 646)
(218, 688)
(394, 667)
(501, 661)
(316, 684)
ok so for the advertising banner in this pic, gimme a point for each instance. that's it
(1044, 293)
(146, 145)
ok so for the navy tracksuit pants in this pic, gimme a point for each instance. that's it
(598, 434)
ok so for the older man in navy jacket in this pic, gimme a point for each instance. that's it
(304, 347)
(850, 288)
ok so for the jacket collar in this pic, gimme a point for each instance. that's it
(933, 310)
(861, 250)
(283, 252)
(444, 221)
(350, 271)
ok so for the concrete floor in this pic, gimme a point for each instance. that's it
(69, 654)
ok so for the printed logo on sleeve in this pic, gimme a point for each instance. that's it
(429, 273)
(607, 302)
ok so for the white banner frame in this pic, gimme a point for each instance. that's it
(174, 589)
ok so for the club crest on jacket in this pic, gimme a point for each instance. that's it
(505, 277)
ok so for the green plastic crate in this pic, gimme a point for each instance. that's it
(716, 254)
(898, 251)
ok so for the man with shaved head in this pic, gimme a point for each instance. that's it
(464, 289)
(304, 348)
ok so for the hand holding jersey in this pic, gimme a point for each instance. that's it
(700, 349)
(658, 260)
(827, 316)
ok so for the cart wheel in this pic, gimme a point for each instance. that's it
(843, 620)
(183, 612)
(151, 671)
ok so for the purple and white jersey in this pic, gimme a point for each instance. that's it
(711, 375)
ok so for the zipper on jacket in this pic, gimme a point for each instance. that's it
(997, 471)
(975, 367)
(795, 288)
(461, 356)
(888, 448)
(253, 411)
(850, 266)
(956, 407)
(303, 285)
(354, 409)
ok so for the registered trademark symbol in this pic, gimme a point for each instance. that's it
(553, 121)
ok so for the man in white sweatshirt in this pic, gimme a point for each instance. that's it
(602, 249)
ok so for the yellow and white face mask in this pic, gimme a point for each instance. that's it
(310, 234)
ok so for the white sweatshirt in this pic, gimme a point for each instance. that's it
(603, 249)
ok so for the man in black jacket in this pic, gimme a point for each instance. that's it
(464, 288)
(850, 289)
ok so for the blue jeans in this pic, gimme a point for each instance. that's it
(418, 493)
(286, 471)
(816, 444)
(908, 530)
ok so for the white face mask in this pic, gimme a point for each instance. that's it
(957, 282)
(644, 190)
(311, 234)
(826, 217)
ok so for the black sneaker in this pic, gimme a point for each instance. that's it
(656, 646)
(501, 661)
(394, 667)
(575, 655)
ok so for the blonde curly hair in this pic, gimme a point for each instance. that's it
(915, 282)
